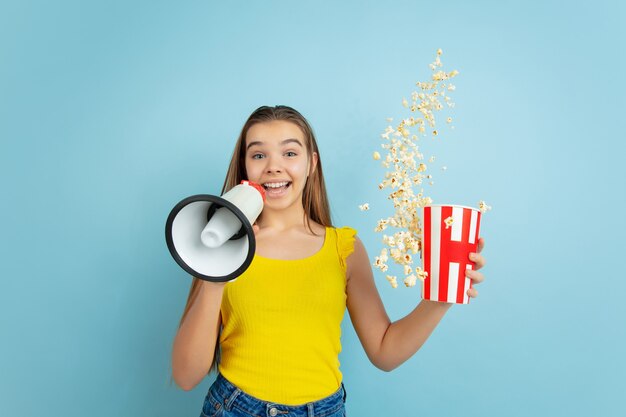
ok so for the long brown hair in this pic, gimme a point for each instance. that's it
(314, 197)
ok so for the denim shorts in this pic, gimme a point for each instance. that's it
(226, 400)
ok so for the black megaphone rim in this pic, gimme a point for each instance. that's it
(222, 203)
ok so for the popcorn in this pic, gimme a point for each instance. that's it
(483, 207)
(364, 207)
(410, 280)
(393, 281)
(421, 274)
(406, 169)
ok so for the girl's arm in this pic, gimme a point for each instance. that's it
(387, 344)
(194, 344)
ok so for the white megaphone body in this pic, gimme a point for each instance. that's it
(211, 237)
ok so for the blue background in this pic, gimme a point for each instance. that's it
(113, 111)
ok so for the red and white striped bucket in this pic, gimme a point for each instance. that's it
(446, 249)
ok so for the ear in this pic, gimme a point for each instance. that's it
(313, 163)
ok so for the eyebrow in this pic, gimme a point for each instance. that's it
(282, 143)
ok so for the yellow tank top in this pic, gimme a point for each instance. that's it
(281, 322)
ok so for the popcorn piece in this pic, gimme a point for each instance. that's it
(410, 281)
(380, 264)
(483, 207)
(364, 207)
(421, 274)
(382, 225)
(448, 221)
(393, 281)
(376, 156)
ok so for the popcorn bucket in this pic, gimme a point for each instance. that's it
(450, 233)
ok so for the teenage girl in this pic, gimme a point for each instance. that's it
(273, 335)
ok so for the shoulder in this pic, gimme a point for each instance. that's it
(358, 267)
(347, 244)
(358, 253)
(346, 236)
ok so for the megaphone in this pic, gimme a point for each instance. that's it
(211, 237)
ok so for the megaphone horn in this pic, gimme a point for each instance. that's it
(211, 237)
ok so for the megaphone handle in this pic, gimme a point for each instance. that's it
(211, 211)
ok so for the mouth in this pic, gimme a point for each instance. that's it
(276, 189)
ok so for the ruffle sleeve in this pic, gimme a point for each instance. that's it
(345, 243)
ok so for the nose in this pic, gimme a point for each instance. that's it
(273, 165)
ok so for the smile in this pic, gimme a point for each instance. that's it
(276, 189)
(269, 185)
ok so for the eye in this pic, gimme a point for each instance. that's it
(257, 154)
(292, 153)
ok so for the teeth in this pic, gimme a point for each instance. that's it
(275, 184)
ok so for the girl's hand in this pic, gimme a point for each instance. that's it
(474, 275)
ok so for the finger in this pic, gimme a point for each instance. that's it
(475, 276)
(255, 228)
(472, 293)
(481, 244)
(478, 260)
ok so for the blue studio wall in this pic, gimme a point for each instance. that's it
(113, 111)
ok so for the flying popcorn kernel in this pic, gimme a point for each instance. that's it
(376, 156)
(421, 274)
(410, 281)
(364, 207)
(393, 281)
(448, 221)
(483, 207)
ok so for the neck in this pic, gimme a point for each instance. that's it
(283, 219)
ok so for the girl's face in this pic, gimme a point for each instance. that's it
(276, 157)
